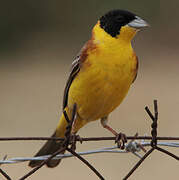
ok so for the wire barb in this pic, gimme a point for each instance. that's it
(131, 147)
(73, 145)
(64, 145)
(153, 140)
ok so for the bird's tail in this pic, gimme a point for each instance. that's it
(48, 148)
(51, 147)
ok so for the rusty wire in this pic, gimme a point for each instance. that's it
(63, 148)
(65, 145)
(83, 139)
(153, 141)
(5, 174)
(132, 146)
(68, 141)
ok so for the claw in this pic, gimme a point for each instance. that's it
(74, 140)
(121, 139)
(79, 138)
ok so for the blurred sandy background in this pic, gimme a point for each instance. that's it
(38, 41)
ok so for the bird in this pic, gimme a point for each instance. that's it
(101, 76)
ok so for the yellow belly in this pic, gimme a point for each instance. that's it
(108, 68)
(99, 88)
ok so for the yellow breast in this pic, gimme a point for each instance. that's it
(104, 78)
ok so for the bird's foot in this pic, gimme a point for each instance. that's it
(73, 141)
(121, 139)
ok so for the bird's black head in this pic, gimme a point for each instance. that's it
(112, 21)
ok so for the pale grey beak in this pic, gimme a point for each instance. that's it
(138, 23)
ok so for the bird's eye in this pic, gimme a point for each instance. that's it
(119, 19)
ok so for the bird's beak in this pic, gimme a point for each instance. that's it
(138, 23)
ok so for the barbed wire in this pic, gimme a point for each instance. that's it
(83, 139)
(131, 147)
(69, 144)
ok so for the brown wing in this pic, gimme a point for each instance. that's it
(73, 73)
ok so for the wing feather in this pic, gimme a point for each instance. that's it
(73, 73)
(76, 65)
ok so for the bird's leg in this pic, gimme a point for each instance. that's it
(74, 137)
(73, 134)
(104, 121)
(73, 126)
(120, 137)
